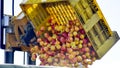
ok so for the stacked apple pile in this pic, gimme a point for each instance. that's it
(63, 45)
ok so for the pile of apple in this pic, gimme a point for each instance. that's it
(63, 45)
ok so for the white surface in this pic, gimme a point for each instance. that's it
(111, 11)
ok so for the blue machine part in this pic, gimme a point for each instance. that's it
(29, 34)
(9, 57)
(1, 27)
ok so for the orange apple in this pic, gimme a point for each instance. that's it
(69, 50)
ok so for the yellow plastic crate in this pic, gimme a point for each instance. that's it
(87, 11)
(95, 25)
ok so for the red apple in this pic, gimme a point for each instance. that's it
(84, 56)
(93, 53)
(74, 60)
(63, 48)
(62, 40)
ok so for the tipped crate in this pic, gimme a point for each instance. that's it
(88, 13)
(95, 25)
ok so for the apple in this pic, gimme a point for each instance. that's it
(53, 41)
(58, 47)
(84, 45)
(63, 48)
(81, 41)
(41, 43)
(54, 36)
(80, 46)
(87, 49)
(93, 53)
(84, 56)
(67, 29)
(34, 56)
(62, 40)
(50, 60)
(46, 49)
(52, 48)
(45, 56)
(87, 54)
(69, 39)
(90, 62)
(79, 58)
(32, 50)
(93, 59)
(76, 64)
(77, 23)
(82, 36)
(49, 39)
(82, 31)
(62, 56)
(42, 28)
(74, 60)
(56, 60)
(46, 35)
(67, 45)
(70, 34)
(65, 34)
(51, 53)
(38, 33)
(70, 56)
(75, 33)
(76, 28)
(69, 50)
(49, 28)
(89, 44)
(55, 64)
(36, 48)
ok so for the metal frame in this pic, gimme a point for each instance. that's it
(9, 54)
(1, 21)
